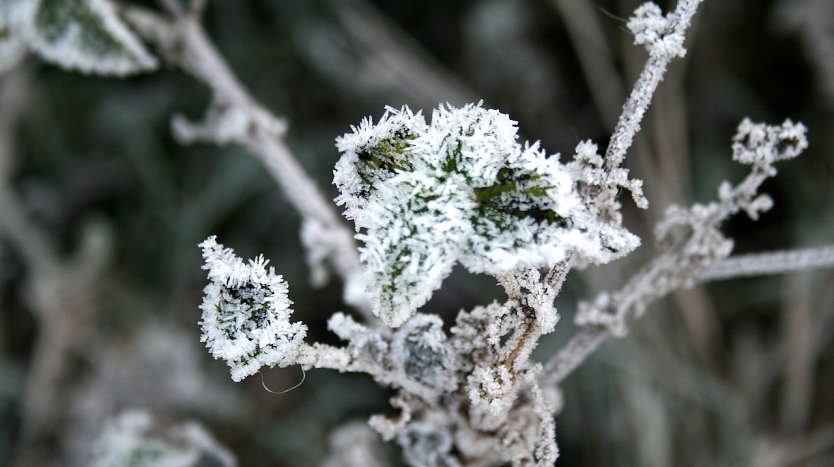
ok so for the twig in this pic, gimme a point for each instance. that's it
(778, 262)
(638, 101)
(589, 338)
(235, 117)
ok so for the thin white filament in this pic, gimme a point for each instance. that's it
(263, 383)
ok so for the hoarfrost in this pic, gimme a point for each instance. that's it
(464, 190)
(246, 312)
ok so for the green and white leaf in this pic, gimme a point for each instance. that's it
(461, 190)
(88, 36)
(418, 211)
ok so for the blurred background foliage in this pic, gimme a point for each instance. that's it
(736, 373)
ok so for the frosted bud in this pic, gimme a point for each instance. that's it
(759, 143)
(655, 31)
(246, 312)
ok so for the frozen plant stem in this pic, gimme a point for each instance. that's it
(695, 246)
(777, 262)
(234, 117)
(663, 44)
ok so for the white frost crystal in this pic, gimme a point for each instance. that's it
(762, 143)
(662, 35)
(246, 312)
(460, 190)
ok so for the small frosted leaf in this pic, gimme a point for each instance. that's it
(421, 347)
(246, 312)
(373, 154)
(88, 36)
(660, 34)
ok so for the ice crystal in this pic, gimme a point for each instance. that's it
(246, 312)
(460, 190)
(662, 35)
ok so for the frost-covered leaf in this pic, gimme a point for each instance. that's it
(462, 189)
(86, 35)
(425, 355)
(12, 45)
(418, 211)
(246, 312)
(133, 439)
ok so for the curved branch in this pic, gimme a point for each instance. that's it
(235, 117)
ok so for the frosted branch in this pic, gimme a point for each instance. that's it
(777, 262)
(663, 37)
(691, 240)
(234, 117)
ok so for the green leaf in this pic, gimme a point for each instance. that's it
(88, 36)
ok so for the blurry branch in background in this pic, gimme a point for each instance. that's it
(234, 117)
(134, 438)
(62, 292)
(813, 22)
(777, 262)
(693, 243)
(355, 443)
(390, 56)
(594, 55)
(796, 450)
(588, 339)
